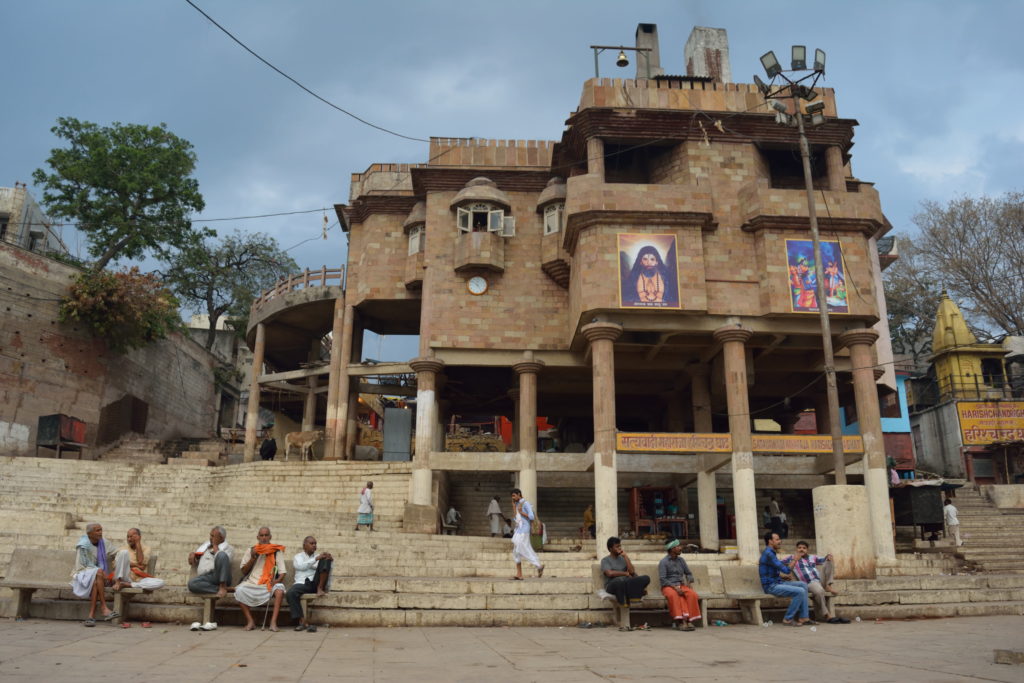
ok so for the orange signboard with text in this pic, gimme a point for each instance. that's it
(985, 422)
(655, 442)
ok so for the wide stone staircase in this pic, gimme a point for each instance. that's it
(993, 537)
(385, 577)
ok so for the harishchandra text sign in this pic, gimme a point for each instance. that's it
(654, 442)
(984, 422)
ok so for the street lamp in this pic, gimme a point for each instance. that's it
(622, 60)
(797, 84)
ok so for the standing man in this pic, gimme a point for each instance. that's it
(92, 572)
(776, 580)
(775, 517)
(365, 511)
(131, 563)
(212, 561)
(495, 516)
(589, 527)
(676, 585)
(949, 513)
(620, 578)
(268, 449)
(264, 571)
(521, 548)
(312, 574)
(806, 570)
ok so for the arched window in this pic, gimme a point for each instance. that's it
(416, 235)
(484, 217)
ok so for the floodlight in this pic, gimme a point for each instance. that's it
(777, 106)
(819, 60)
(621, 60)
(771, 64)
(799, 61)
(761, 85)
(815, 108)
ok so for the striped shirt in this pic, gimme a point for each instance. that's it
(804, 569)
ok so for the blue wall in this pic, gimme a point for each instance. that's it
(890, 425)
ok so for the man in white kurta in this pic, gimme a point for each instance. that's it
(92, 572)
(264, 570)
(521, 548)
(495, 516)
(131, 563)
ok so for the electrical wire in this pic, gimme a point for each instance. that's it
(300, 85)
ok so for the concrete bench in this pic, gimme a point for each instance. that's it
(46, 569)
(654, 600)
(210, 600)
(743, 584)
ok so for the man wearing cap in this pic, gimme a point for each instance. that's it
(676, 580)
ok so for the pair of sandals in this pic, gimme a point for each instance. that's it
(106, 617)
(540, 574)
(303, 627)
(791, 622)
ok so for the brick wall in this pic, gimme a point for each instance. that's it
(51, 367)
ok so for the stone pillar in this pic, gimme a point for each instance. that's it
(516, 407)
(595, 158)
(309, 405)
(426, 419)
(707, 490)
(836, 171)
(351, 407)
(602, 336)
(526, 425)
(870, 421)
(334, 380)
(733, 338)
(252, 415)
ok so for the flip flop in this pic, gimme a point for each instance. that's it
(146, 624)
(791, 623)
(311, 628)
(89, 622)
(125, 624)
(516, 578)
(113, 615)
(540, 571)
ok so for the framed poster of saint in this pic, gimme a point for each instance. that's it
(803, 297)
(648, 271)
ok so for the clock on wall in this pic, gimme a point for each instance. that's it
(477, 285)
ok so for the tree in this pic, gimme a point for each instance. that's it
(223, 277)
(975, 249)
(128, 309)
(128, 186)
(912, 299)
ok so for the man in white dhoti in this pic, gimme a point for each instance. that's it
(264, 570)
(364, 514)
(92, 572)
(521, 548)
(130, 564)
(494, 514)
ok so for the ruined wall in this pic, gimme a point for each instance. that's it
(51, 367)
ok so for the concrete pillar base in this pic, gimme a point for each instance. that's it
(528, 485)
(419, 519)
(421, 486)
(842, 526)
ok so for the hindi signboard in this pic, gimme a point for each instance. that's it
(803, 443)
(660, 442)
(985, 422)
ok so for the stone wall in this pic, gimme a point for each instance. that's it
(51, 367)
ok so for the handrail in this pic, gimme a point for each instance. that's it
(320, 277)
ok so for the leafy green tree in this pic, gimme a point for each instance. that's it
(128, 186)
(222, 277)
(128, 309)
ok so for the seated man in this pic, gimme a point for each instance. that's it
(312, 575)
(620, 578)
(264, 570)
(130, 565)
(775, 580)
(806, 570)
(212, 561)
(453, 518)
(676, 580)
(92, 572)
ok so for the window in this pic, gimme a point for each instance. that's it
(4, 218)
(992, 372)
(553, 215)
(416, 240)
(482, 217)
(786, 170)
(33, 241)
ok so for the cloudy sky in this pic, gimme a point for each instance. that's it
(936, 85)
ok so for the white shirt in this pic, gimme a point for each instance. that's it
(365, 502)
(304, 567)
(453, 516)
(494, 508)
(206, 562)
(949, 511)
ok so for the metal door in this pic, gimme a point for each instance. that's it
(397, 434)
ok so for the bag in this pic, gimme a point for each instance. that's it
(536, 528)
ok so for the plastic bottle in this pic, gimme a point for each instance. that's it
(814, 629)
(857, 619)
(719, 622)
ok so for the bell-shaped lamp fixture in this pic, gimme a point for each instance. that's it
(771, 64)
(621, 60)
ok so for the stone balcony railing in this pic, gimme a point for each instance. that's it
(480, 251)
(322, 277)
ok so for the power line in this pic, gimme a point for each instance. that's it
(300, 85)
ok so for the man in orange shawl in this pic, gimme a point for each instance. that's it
(264, 569)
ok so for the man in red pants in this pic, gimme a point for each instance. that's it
(683, 605)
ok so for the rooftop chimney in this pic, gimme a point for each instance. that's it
(647, 36)
(706, 54)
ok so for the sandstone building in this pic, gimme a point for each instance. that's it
(641, 282)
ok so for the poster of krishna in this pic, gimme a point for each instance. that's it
(802, 282)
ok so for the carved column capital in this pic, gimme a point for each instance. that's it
(732, 333)
(865, 336)
(433, 365)
(528, 366)
(598, 331)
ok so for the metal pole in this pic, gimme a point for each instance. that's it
(832, 392)
(597, 74)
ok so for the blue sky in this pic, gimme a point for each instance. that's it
(937, 87)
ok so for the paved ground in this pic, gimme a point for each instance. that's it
(926, 650)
